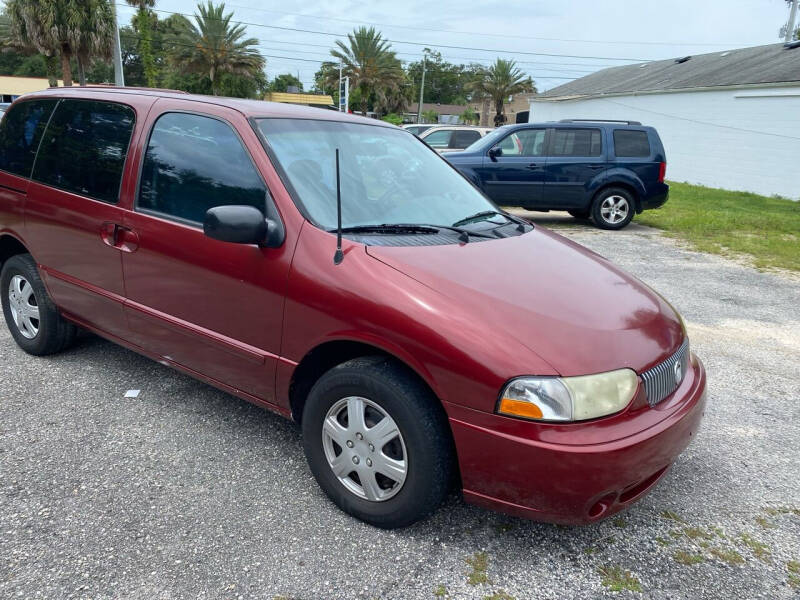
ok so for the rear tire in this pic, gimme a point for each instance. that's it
(389, 479)
(32, 318)
(613, 208)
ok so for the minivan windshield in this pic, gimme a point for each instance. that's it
(387, 175)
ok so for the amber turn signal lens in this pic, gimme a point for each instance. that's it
(519, 408)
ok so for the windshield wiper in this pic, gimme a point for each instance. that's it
(415, 228)
(482, 216)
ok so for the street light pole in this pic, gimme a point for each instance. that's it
(421, 89)
(119, 76)
(790, 24)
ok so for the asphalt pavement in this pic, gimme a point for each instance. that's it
(186, 492)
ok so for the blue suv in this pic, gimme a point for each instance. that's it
(603, 170)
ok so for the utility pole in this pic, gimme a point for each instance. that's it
(421, 90)
(340, 86)
(119, 77)
(790, 24)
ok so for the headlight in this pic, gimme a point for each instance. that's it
(568, 398)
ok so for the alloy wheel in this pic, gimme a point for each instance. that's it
(24, 307)
(614, 209)
(365, 449)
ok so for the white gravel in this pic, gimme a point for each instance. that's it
(185, 492)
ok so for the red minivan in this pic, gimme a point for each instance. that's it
(337, 271)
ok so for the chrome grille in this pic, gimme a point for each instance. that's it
(660, 381)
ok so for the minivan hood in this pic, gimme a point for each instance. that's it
(569, 305)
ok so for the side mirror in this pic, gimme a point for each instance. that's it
(495, 152)
(239, 224)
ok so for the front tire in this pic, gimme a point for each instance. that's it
(378, 442)
(32, 318)
(613, 208)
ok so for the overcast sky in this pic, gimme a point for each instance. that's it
(595, 33)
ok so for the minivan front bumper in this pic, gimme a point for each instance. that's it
(557, 474)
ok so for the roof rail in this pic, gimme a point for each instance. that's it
(115, 88)
(792, 45)
(599, 121)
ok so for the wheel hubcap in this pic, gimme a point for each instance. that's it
(23, 305)
(365, 449)
(614, 209)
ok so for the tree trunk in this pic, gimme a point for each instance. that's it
(81, 72)
(499, 118)
(211, 75)
(51, 63)
(66, 69)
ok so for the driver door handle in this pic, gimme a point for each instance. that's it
(534, 166)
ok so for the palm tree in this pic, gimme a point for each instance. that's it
(66, 28)
(142, 22)
(370, 64)
(213, 46)
(498, 82)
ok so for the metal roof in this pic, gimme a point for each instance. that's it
(759, 65)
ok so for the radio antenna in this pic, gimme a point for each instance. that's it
(339, 256)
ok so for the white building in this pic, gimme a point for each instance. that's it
(728, 119)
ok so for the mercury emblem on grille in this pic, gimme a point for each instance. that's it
(678, 371)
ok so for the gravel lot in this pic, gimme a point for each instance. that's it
(186, 492)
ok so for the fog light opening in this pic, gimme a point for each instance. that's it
(601, 507)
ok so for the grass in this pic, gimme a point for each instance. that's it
(440, 591)
(722, 222)
(695, 533)
(688, 558)
(617, 579)
(500, 595)
(793, 567)
(759, 550)
(479, 563)
(732, 557)
(672, 516)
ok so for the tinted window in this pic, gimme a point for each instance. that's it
(577, 142)
(524, 142)
(20, 131)
(463, 138)
(439, 138)
(194, 163)
(631, 143)
(85, 147)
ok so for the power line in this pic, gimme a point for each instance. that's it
(503, 35)
(425, 44)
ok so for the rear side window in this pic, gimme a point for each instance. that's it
(194, 163)
(85, 147)
(439, 138)
(577, 142)
(631, 143)
(20, 132)
(463, 138)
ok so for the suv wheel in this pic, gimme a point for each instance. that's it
(31, 316)
(613, 208)
(377, 442)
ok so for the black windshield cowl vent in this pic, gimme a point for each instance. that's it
(679, 61)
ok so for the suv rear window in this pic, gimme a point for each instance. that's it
(577, 142)
(631, 143)
(84, 149)
(20, 132)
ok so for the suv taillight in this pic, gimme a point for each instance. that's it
(662, 170)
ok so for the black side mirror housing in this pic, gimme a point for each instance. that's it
(241, 224)
(495, 152)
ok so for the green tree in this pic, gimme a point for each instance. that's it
(213, 46)
(282, 82)
(393, 118)
(430, 116)
(79, 29)
(498, 82)
(469, 116)
(143, 24)
(367, 59)
(445, 83)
